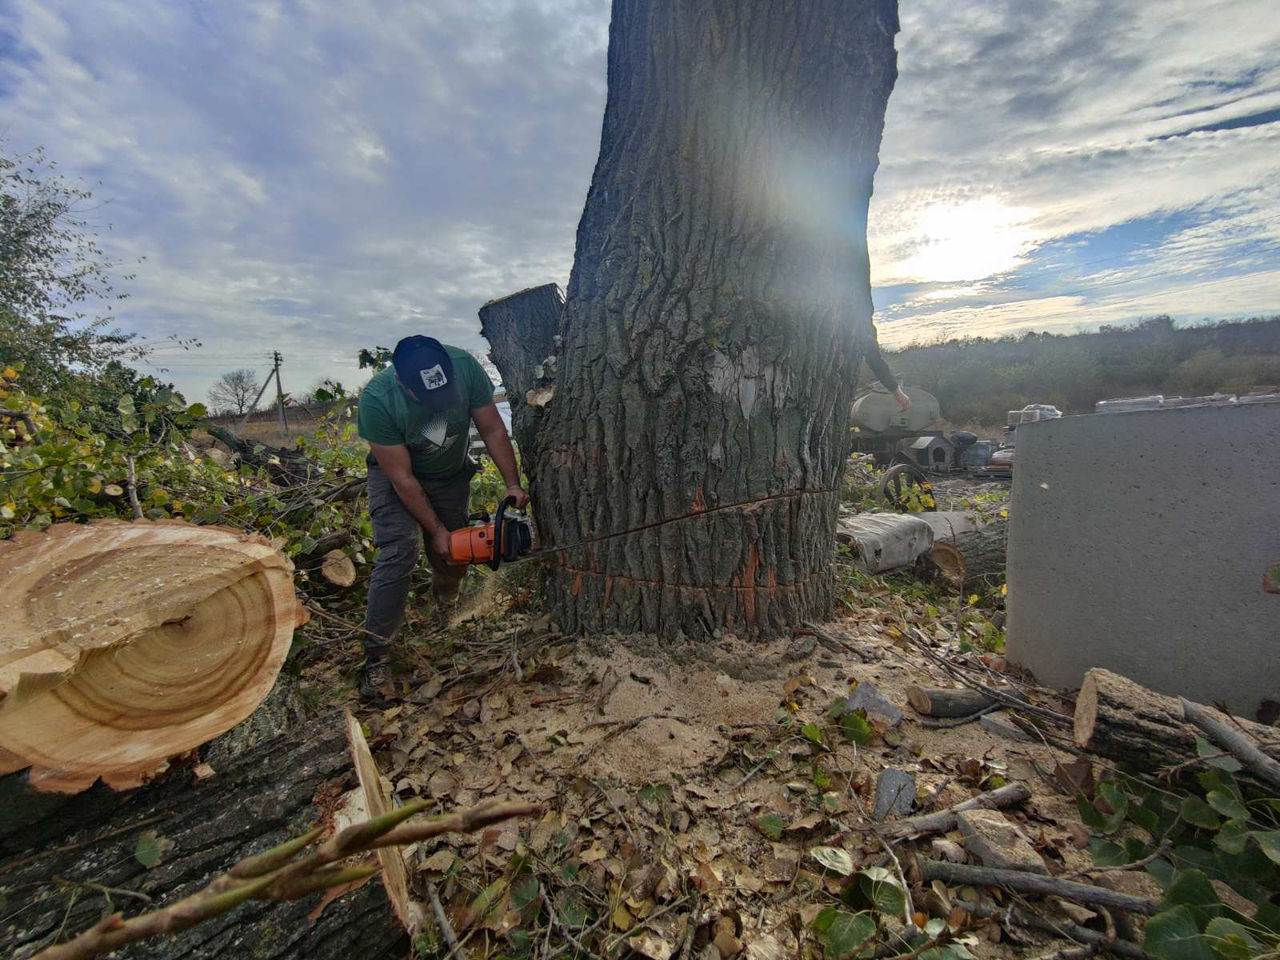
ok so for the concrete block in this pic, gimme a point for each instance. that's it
(998, 843)
(1140, 542)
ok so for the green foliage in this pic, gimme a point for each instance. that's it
(843, 934)
(1225, 832)
(51, 268)
(977, 381)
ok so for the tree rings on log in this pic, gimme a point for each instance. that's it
(336, 568)
(129, 643)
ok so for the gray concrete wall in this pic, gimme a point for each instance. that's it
(1139, 541)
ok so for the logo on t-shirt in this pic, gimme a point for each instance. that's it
(433, 378)
(436, 432)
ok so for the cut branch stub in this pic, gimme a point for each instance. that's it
(395, 878)
(129, 643)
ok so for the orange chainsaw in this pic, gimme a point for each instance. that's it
(504, 538)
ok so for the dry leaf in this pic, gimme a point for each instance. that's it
(622, 918)
(655, 948)
(440, 861)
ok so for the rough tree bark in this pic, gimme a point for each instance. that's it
(717, 312)
(270, 782)
(523, 329)
(1124, 721)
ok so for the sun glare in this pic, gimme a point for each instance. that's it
(957, 242)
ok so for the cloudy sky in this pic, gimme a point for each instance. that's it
(315, 176)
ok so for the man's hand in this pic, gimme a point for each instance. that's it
(440, 542)
(903, 400)
(519, 494)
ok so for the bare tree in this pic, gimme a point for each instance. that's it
(235, 391)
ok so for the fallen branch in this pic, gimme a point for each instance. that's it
(1001, 697)
(1240, 744)
(943, 820)
(276, 875)
(1014, 916)
(834, 643)
(1036, 883)
(950, 722)
(442, 921)
(944, 703)
(1150, 858)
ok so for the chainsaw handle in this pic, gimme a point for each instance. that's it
(496, 560)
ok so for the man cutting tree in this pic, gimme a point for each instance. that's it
(416, 416)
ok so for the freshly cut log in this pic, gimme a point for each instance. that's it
(970, 550)
(958, 702)
(1124, 721)
(274, 789)
(336, 568)
(129, 643)
(522, 330)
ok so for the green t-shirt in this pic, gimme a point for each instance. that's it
(437, 440)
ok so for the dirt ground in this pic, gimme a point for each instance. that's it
(685, 786)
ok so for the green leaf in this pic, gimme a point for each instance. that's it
(879, 888)
(770, 825)
(572, 912)
(1227, 805)
(148, 851)
(1192, 889)
(811, 733)
(856, 728)
(197, 410)
(1230, 939)
(1206, 749)
(842, 933)
(1233, 836)
(523, 892)
(1107, 854)
(1269, 841)
(1173, 935)
(1195, 811)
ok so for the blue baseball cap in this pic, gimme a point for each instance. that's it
(426, 371)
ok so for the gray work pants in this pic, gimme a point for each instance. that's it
(398, 537)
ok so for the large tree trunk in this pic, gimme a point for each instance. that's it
(717, 312)
(523, 329)
(262, 792)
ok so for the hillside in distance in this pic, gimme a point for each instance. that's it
(978, 380)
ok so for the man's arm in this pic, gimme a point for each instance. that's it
(882, 372)
(493, 432)
(396, 464)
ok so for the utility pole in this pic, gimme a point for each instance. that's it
(254, 406)
(284, 424)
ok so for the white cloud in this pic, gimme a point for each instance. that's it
(315, 177)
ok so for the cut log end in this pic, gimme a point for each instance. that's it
(130, 643)
(336, 568)
(1086, 715)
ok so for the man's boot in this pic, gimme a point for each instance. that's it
(375, 681)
